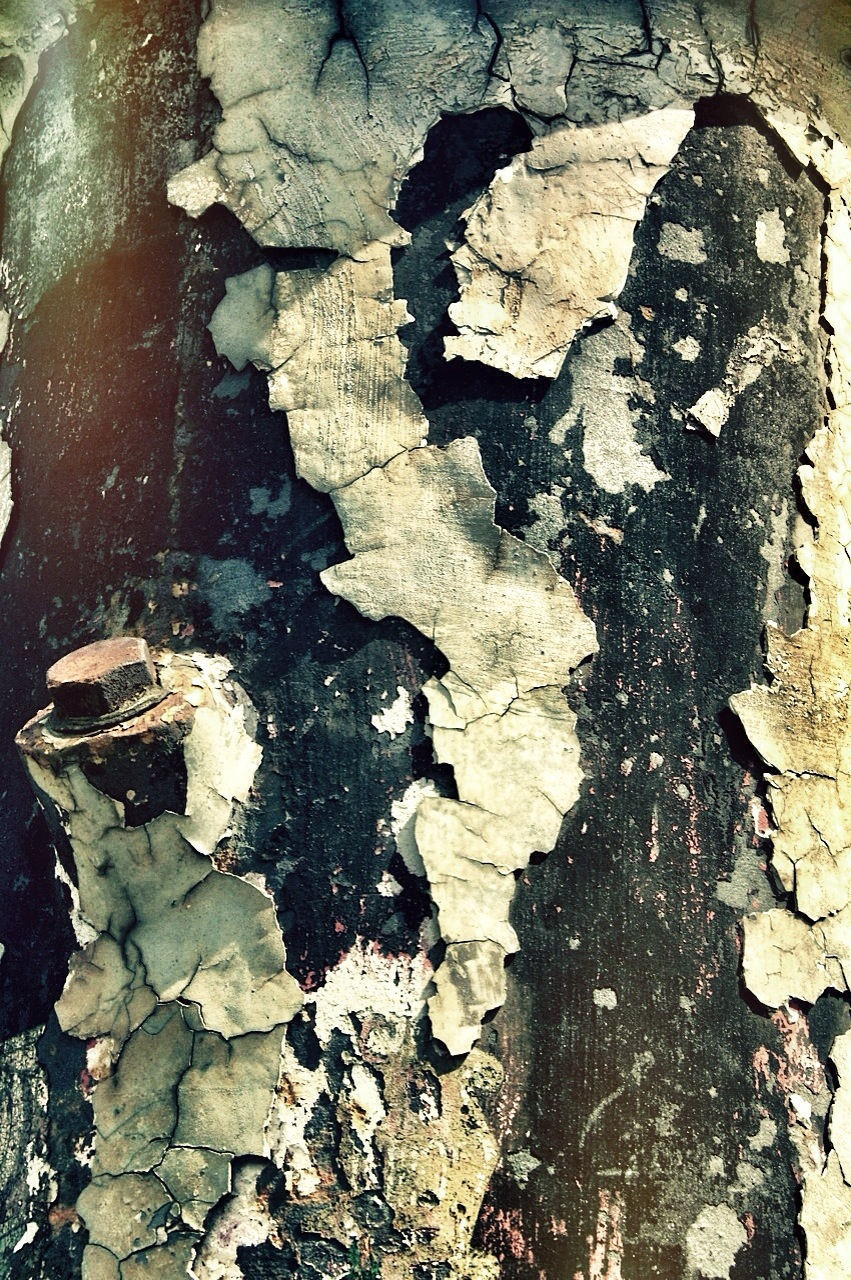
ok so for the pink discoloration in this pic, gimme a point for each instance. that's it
(761, 820)
(762, 1064)
(606, 1255)
(502, 1233)
(798, 1068)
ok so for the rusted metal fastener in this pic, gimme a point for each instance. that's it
(102, 684)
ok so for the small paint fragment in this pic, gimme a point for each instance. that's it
(395, 718)
(605, 997)
(682, 244)
(751, 355)
(712, 1242)
(687, 349)
(770, 237)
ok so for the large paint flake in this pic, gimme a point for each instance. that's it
(529, 284)
(181, 983)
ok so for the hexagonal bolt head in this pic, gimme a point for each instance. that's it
(103, 683)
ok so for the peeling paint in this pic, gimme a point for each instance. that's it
(399, 499)
(336, 114)
(528, 286)
(325, 111)
(799, 726)
(752, 354)
(185, 978)
(409, 1137)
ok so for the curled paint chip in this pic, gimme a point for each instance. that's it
(548, 245)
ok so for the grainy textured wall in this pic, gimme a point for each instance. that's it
(546, 304)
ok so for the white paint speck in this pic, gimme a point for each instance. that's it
(388, 886)
(30, 1233)
(605, 998)
(802, 1108)
(687, 349)
(395, 718)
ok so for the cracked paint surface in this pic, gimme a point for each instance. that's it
(523, 299)
(326, 110)
(799, 725)
(529, 285)
(181, 984)
(421, 523)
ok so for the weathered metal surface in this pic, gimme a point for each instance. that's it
(103, 683)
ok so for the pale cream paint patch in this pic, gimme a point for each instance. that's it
(185, 981)
(682, 244)
(712, 1242)
(318, 131)
(529, 285)
(605, 405)
(770, 237)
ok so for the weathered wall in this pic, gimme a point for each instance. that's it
(621, 346)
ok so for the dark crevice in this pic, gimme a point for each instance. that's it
(343, 34)
(482, 15)
(460, 156)
(646, 26)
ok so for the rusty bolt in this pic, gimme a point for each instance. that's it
(103, 683)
